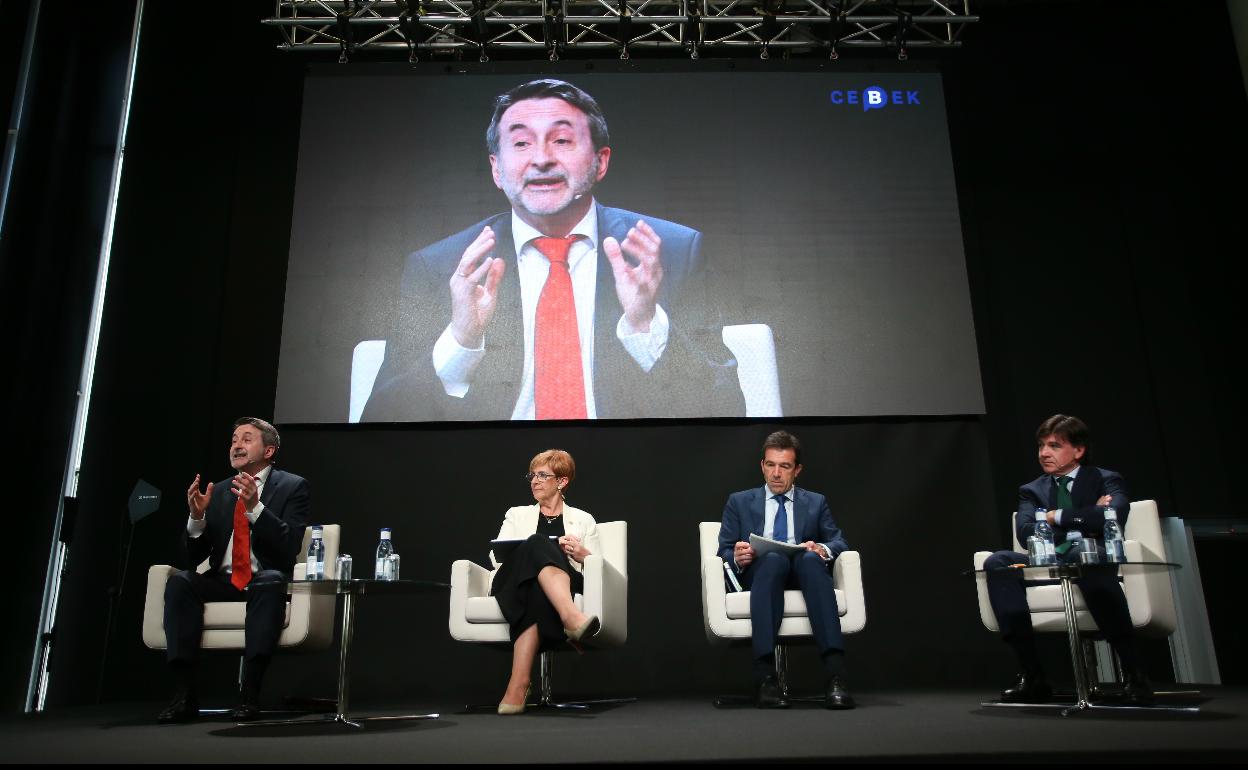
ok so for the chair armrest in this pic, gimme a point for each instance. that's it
(847, 576)
(468, 581)
(470, 578)
(606, 595)
(1150, 594)
(154, 606)
(986, 615)
(714, 615)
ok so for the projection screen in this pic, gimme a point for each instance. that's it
(739, 244)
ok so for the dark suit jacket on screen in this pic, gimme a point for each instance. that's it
(694, 377)
(276, 536)
(745, 513)
(1089, 486)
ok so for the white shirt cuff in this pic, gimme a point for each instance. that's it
(646, 348)
(254, 513)
(195, 527)
(454, 364)
(1057, 516)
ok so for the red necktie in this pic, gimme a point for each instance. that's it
(240, 563)
(558, 378)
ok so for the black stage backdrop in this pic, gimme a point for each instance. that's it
(1095, 220)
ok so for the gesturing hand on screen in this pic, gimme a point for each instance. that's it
(636, 286)
(474, 290)
(198, 501)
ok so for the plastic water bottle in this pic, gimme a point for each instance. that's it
(1045, 533)
(384, 549)
(316, 555)
(1114, 549)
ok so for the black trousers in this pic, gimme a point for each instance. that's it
(769, 576)
(1007, 591)
(186, 592)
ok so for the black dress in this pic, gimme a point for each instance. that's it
(520, 595)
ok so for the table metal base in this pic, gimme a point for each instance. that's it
(341, 715)
(1067, 709)
(342, 719)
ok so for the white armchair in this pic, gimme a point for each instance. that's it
(475, 615)
(1150, 597)
(726, 615)
(307, 627)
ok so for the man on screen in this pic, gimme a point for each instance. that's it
(1069, 495)
(782, 511)
(561, 308)
(249, 527)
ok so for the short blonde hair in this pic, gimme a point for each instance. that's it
(559, 461)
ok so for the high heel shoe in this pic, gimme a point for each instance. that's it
(509, 709)
(587, 629)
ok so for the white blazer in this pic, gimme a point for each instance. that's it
(521, 521)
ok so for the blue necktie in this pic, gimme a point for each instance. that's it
(780, 529)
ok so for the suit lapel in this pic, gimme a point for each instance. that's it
(1086, 490)
(607, 312)
(758, 511)
(498, 386)
(270, 487)
(799, 515)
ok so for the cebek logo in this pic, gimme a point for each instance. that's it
(875, 98)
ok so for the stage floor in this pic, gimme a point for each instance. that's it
(889, 726)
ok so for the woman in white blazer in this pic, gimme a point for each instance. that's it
(535, 584)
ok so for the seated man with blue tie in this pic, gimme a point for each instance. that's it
(782, 511)
(1068, 496)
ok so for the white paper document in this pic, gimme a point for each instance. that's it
(765, 545)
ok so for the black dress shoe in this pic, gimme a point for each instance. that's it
(769, 695)
(183, 708)
(245, 712)
(1028, 688)
(1138, 691)
(837, 695)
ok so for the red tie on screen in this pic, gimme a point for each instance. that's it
(240, 563)
(558, 379)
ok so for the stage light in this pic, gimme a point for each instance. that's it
(480, 28)
(409, 26)
(903, 30)
(693, 30)
(346, 39)
(836, 22)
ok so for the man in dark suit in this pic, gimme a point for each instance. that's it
(784, 512)
(1069, 496)
(561, 308)
(249, 527)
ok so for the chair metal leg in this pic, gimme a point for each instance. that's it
(545, 697)
(782, 676)
(782, 679)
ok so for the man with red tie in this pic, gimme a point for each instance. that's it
(250, 528)
(561, 308)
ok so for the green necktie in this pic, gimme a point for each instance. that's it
(1064, 503)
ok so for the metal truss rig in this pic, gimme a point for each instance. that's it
(554, 27)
